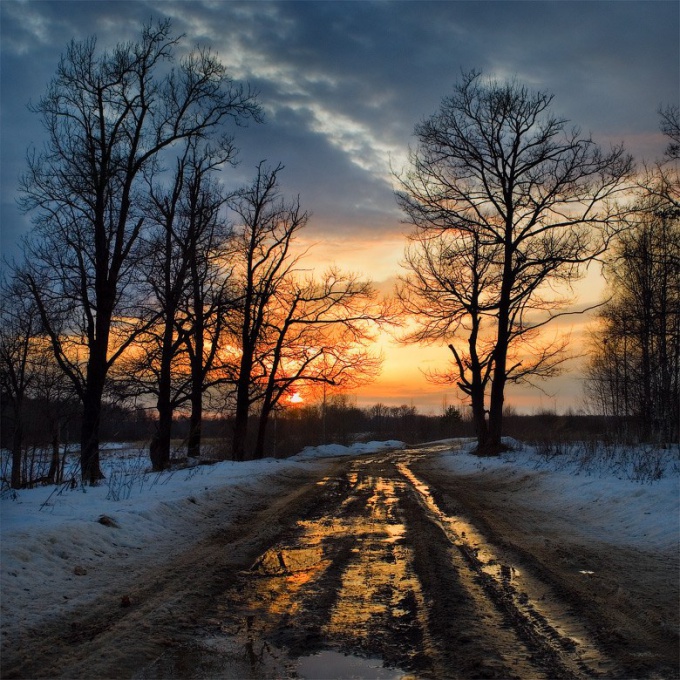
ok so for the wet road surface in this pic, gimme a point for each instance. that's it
(375, 581)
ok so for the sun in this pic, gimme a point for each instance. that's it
(295, 398)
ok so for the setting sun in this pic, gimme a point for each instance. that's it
(295, 398)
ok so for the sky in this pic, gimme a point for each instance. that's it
(343, 84)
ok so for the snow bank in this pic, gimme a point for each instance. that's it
(56, 553)
(311, 452)
(596, 502)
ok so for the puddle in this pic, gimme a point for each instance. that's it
(336, 666)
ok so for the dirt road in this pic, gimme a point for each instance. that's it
(383, 569)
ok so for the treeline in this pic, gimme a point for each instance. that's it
(145, 280)
(337, 421)
(634, 369)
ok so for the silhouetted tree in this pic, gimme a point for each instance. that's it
(508, 205)
(187, 235)
(109, 116)
(670, 126)
(19, 326)
(634, 369)
(316, 332)
(264, 234)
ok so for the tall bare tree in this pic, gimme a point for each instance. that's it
(184, 291)
(264, 234)
(210, 296)
(512, 205)
(109, 116)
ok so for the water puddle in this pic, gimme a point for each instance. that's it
(336, 666)
(344, 579)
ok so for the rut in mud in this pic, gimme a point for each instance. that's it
(375, 569)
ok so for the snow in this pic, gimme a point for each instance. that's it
(312, 452)
(51, 538)
(604, 498)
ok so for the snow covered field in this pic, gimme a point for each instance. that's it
(56, 554)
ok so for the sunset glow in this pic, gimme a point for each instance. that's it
(340, 105)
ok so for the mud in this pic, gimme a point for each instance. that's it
(627, 600)
(385, 568)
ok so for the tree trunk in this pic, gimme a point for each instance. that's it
(197, 373)
(261, 433)
(97, 368)
(240, 427)
(242, 408)
(494, 445)
(53, 472)
(195, 421)
(89, 441)
(17, 442)
(477, 385)
(479, 417)
(159, 448)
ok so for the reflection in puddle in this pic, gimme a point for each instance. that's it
(344, 580)
(336, 666)
(288, 561)
(221, 657)
(380, 573)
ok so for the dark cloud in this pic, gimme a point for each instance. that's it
(343, 83)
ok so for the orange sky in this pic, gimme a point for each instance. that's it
(402, 380)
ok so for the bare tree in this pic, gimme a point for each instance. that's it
(317, 332)
(670, 126)
(187, 235)
(511, 205)
(452, 290)
(19, 326)
(263, 261)
(209, 296)
(109, 116)
(634, 369)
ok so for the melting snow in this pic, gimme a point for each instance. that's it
(56, 555)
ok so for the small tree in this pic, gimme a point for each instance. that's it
(670, 126)
(316, 333)
(19, 326)
(108, 118)
(634, 369)
(508, 206)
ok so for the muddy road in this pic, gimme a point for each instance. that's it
(375, 571)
